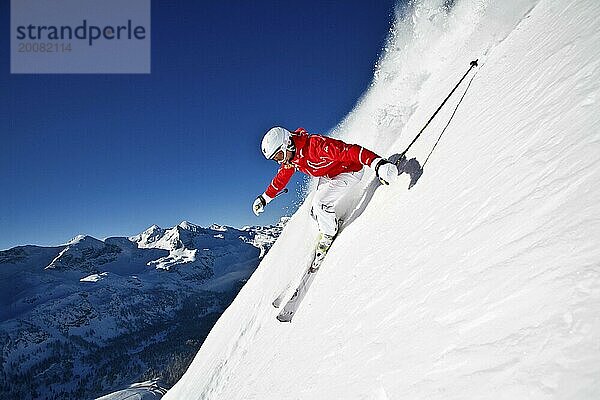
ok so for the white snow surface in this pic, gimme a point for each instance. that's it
(94, 277)
(149, 390)
(483, 280)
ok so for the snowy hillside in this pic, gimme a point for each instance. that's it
(483, 280)
(149, 390)
(91, 316)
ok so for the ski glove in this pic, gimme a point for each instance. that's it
(385, 170)
(260, 203)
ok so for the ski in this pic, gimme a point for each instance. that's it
(279, 299)
(290, 308)
(294, 302)
(282, 296)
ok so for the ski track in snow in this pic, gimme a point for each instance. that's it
(483, 280)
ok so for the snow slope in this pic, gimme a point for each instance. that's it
(483, 280)
(149, 390)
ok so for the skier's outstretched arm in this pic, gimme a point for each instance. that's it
(277, 185)
(341, 151)
(336, 150)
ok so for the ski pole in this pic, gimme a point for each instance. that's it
(473, 64)
(280, 193)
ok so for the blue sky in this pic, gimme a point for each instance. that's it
(110, 155)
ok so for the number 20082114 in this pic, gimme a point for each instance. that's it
(44, 47)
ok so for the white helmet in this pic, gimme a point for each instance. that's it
(276, 138)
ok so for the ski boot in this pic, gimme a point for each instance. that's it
(323, 246)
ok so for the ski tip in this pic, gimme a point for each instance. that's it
(275, 304)
(285, 318)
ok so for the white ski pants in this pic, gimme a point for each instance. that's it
(328, 194)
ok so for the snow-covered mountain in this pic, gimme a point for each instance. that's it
(480, 282)
(149, 390)
(90, 316)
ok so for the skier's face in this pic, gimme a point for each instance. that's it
(279, 157)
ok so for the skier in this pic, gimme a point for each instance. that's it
(338, 165)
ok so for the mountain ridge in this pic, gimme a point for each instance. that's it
(72, 315)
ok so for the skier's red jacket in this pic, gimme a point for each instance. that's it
(318, 155)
